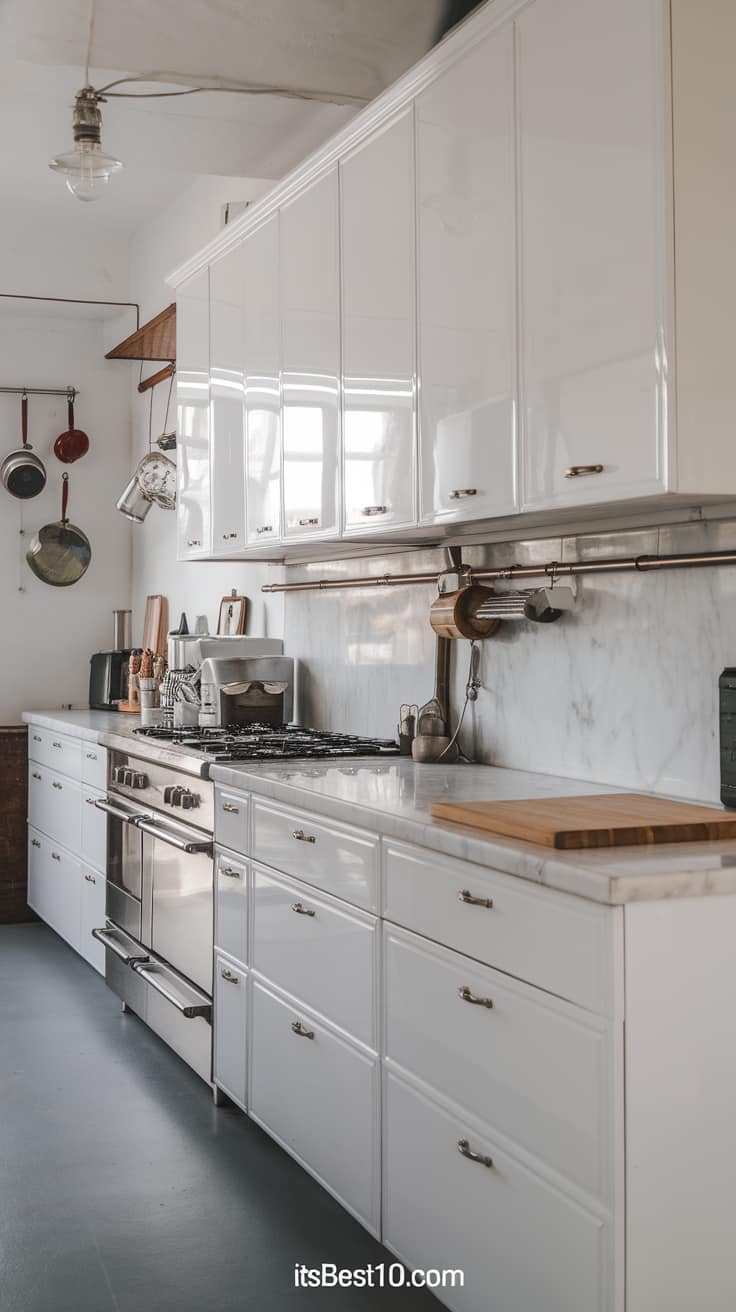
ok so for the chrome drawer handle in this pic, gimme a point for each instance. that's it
(464, 1148)
(577, 471)
(306, 523)
(56, 785)
(91, 756)
(374, 510)
(35, 774)
(299, 1029)
(55, 856)
(228, 806)
(35, 842)
(265, 528)
(458, 493)
(227, 536)
(301, 837)
(301, 910)
(90, 879)
(37, 738)
(467, 996)
(467, 897)
(90, 801)
(230, 872)
(194, 542)
(56, 744)
(229, 977)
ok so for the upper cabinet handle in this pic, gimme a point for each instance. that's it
(465, 993)
(459, 492)
(304, 523)
(374, 510)
(265, 528)
(576, 471)
(194, 542)
(467, 897)
(302, 837)
(226, 536)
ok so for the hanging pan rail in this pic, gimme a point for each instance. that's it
(553, 570)
(71, 393)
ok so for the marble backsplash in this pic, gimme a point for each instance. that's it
(623, 690)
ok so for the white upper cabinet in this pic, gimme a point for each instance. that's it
(594, 250)
(263, 384)
(227, 439)
(378, 330)
(193, 417)
(310, 368)
(467, 286)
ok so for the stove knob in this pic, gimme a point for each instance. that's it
(187, 801)
(176, 796)
(140, 780)
(127, 779)
(117, 774)
(168, 794)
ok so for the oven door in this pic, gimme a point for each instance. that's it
(124, 865)
(177, 902)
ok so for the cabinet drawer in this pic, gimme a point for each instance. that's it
(229, 1038)
(342, 860)
(231, 905)
(92, 916)
(522, 1244)
(94, 829)
(54, 886)
(94, 766)
(232, 813)
(54, 806)
(55, 750)
(537, 1067)
(317, 950)
(318, 1096)
(560, 943)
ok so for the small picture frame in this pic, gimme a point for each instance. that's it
(232, 617)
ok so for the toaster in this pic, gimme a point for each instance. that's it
(108, 679)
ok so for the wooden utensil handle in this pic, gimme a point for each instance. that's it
(70, 411)
(64, 496)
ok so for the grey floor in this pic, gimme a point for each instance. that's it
(122, 1188)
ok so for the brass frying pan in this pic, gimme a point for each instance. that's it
(60, 552)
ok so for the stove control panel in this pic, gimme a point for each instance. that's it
(183, 797)
(129, 778)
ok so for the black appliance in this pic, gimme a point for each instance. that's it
(268, 742)
(108, 679)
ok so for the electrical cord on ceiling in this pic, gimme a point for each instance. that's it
(90, 39)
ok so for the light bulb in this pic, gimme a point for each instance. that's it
(87, 168)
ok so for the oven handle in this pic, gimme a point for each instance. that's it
(147, 971)
(104, 937)
(189, 845)
(128, 817)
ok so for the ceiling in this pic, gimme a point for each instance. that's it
(341, 48)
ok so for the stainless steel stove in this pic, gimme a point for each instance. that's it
(267, 742)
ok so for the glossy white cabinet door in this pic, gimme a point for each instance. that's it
(54, 886)
(592, 105)
(230, 1023)
(227, 384)
(378, 330)
(467, 286)
(231, 905)
(310, 305)
(193, 417)
(263, 384)
(92, 915)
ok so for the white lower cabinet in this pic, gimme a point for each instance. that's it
(231, 904)
(318, 1095)
(229, 1051)
(54, 886)
(91, 915)
(455, 1199)
(93, 846)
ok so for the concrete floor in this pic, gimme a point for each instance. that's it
(122, 1188)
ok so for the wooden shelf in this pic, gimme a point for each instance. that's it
(155, 340)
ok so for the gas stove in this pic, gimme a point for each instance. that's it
(268, 742)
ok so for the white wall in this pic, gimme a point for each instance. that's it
(195, 587)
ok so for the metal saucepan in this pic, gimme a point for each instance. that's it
(22, 473)
(72, 444)
(60, 552)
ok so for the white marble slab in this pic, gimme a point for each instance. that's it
(83, 723)
(394, 799)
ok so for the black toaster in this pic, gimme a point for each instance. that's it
(108, 679)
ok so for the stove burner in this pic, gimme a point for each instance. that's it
(268, 742)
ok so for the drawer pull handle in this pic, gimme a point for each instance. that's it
(228, 806)
(458, 493)
(301, 837)
(374, 510)
(55, 856)
(90, 879)
(467, 897)
(57, 785)
(468, 996)
(91, 756)
(228, 976)
(56, 744)
(299, 1029)
(577, 471)
(194, 542)
(230, 871)
(465, 1150)
(35, 842)
(90, 801)
(301, 910)
(307, 523)
(227, 536)
(37, 738)
(35, 774)
(265, 528)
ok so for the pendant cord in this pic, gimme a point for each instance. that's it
(90, 39)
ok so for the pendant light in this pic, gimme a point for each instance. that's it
(87, 168)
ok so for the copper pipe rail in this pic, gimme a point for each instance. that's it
(70, 392)
(552, 570)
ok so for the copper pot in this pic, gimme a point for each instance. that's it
(452, 615)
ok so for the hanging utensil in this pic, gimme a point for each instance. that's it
(22, 473)
(60, 552)
(72, 444)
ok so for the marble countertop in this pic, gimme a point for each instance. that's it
(394, 798)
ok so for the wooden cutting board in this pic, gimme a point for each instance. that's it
(605, 820)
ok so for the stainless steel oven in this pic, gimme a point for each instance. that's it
(158, 937)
